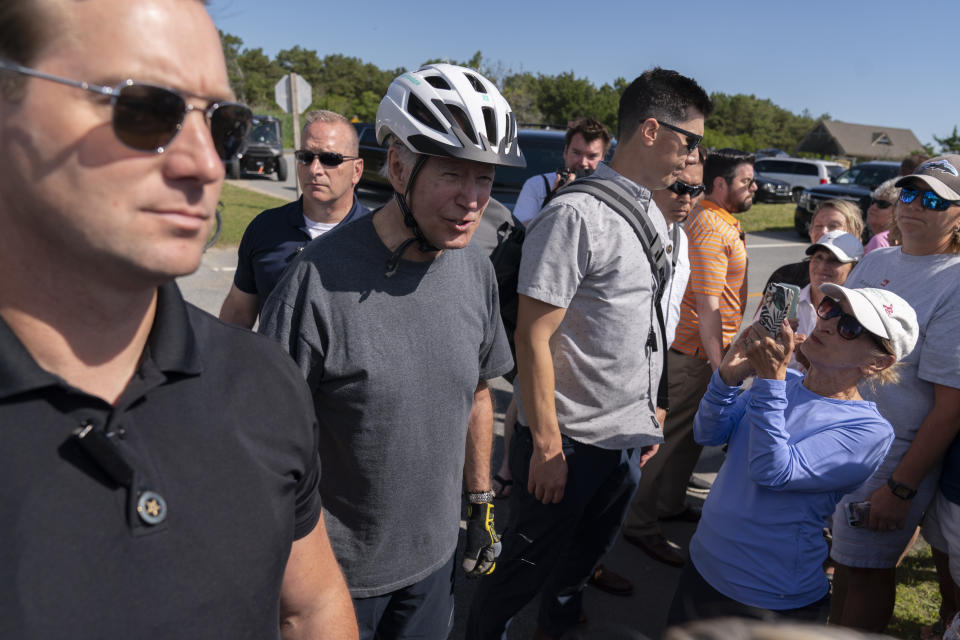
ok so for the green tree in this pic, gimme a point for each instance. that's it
(606, 103)
(520, 90)
(350, 79)
(231, 53)
(303, 62)
(261, 75)
(564, 97)
(750, 123)
(365, 109)
(949, 144)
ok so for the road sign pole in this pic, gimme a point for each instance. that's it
(294, 96)
(294, 102)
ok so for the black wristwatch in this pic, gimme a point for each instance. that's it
(901, 490)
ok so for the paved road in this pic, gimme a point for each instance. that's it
(269, 184)
(639, 616)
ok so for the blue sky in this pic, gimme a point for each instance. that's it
(881, 63)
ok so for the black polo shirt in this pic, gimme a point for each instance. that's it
(219, 429)
(270, 242)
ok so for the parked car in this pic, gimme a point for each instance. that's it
(542, 148)
(771, 152)
(263, 153)
(770, 190)
(799, 173)
(374, 157)
(854, 184)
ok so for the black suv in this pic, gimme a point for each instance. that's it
(264, 151)
(854, 184)
(542, 149)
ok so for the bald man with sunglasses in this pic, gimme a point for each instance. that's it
(328, 167)
(159, 469)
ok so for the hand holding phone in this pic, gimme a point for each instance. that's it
(779, 303)
(858, 513)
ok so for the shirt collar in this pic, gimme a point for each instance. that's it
(172, 343)
(709, 205)
(294, 213)
(638, 191)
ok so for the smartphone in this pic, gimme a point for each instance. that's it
(779, 303)
(858, 513)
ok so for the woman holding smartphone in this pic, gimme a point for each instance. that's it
(795, 447)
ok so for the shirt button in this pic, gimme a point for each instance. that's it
(152, 508)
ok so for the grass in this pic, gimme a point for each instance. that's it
(918, 596)
(768, 217)
(240, 206)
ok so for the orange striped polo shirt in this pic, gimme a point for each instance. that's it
(718, 267)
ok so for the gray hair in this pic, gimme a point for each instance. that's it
(887, 191)
(407, 157)
(332, 117)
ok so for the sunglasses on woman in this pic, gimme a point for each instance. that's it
(147, 117)
(681, 188)
(880, 204)
(929, 200)
(848, 327)
(326, 158)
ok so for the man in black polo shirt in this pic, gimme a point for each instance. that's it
(159, 469)
(328, 167)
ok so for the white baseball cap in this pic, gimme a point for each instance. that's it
(882, 313)
(841, 244)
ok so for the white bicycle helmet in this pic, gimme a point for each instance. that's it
(446, 110)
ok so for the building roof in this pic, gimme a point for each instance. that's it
(864, 141)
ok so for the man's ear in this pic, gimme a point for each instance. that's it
(647, 132)
(357, 171)
(397, 170)
(719, 186)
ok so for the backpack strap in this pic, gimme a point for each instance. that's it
(546, 186)
(633, 212)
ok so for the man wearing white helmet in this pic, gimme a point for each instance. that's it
(590, 345)
(397, 334)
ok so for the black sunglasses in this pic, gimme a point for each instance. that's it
(929, 200)
(326, 158)
(848, 327)
(147, 117)
(880, 204)
(681, 188)
(693, 140)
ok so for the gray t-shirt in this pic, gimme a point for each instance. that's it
(583, 256)
(931, 284)
(393, 364)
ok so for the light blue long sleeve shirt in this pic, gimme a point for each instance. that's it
(792, 455)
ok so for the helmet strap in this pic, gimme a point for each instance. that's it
(408, 219)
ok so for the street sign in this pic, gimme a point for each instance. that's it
(300, 91)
